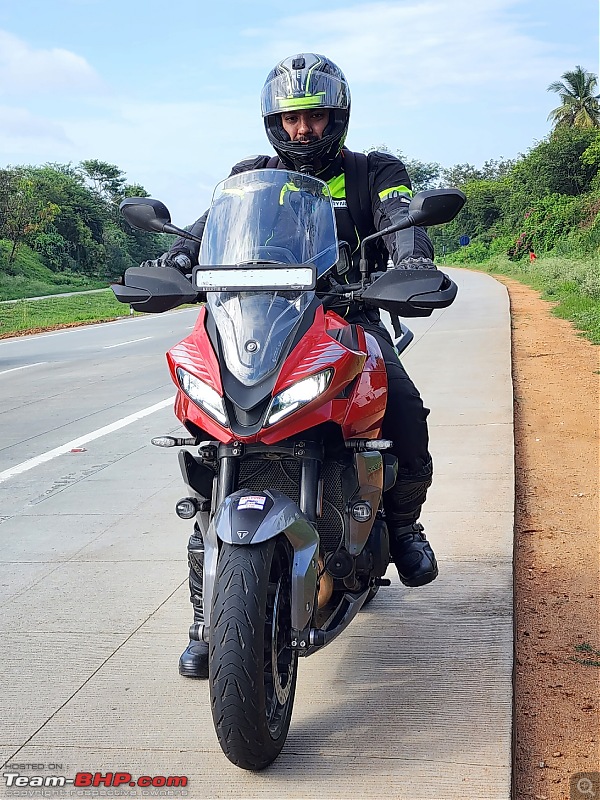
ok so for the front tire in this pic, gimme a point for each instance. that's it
(371, 596)
(252, 667)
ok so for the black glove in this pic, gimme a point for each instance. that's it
(178, 260)
(415, 262)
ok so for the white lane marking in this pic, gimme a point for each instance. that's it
(25, 366)
(88, 437)
(131, 341)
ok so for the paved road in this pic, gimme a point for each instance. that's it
(414, 701)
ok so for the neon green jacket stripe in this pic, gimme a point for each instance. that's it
(399, 189)
(337, 186)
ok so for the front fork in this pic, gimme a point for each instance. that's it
(215, 474)
(246, 518)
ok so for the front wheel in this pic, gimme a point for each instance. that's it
(371, 596)
(252, 667)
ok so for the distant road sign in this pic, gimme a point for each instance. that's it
(464, 240)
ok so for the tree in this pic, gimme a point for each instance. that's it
(25, 213)
(555, 166)
(580, 107)
(423, 174)
(106, 179)
(591, 157)
(492, 170)
(81, 219)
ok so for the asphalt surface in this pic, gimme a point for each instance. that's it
(412, 701)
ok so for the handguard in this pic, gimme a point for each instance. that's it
(154, 289)
(411, 292)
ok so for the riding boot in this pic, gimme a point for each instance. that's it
(409, 548)
(193, 662)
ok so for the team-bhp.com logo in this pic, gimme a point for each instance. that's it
(88, 780)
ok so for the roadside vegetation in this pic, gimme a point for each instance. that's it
(60, 228)
(535, 218)
(57, 312)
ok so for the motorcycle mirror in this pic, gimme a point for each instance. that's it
(344, 261)
(436, 206)
(145, 213)
(151, 215)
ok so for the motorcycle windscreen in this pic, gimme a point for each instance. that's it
(254, 328)
(270, 215)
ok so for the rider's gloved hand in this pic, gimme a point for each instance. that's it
(415, 262)
(178, 260)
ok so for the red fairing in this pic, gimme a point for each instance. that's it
(196, 355)
(358, 415)
(315, 352)
(366, 405)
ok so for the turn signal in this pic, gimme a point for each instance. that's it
(186, 508)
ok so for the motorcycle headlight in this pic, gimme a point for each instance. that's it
(203, 395)
(298, 395)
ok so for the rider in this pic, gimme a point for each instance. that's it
(306, 109)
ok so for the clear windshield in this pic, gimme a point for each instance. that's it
(268, 216)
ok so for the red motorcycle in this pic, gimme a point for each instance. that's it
(283, 400)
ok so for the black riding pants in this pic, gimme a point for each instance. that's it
(405, 420)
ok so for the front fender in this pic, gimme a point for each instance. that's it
(246, 518)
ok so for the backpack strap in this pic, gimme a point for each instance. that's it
(358, 196)
(358, 200)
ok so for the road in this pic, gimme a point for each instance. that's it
(413, 701)
(59, 386)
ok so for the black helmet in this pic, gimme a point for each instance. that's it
(299, 83)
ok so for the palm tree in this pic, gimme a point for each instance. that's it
(580, 107)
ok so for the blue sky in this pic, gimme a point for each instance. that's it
(169, 91)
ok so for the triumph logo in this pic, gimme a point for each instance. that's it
(242, 534)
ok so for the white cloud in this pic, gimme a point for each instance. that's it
(178, 151)
(432, 49)
(24, 68)
(20, 130)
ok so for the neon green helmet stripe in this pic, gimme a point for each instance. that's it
(294, 103)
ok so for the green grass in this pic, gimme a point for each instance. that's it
(29, 277)
(30, 315)
(16, 287)
(573, 284)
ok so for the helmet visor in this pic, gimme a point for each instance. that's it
(315, 90)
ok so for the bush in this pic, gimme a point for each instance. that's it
(473, 253)
(31, 278)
